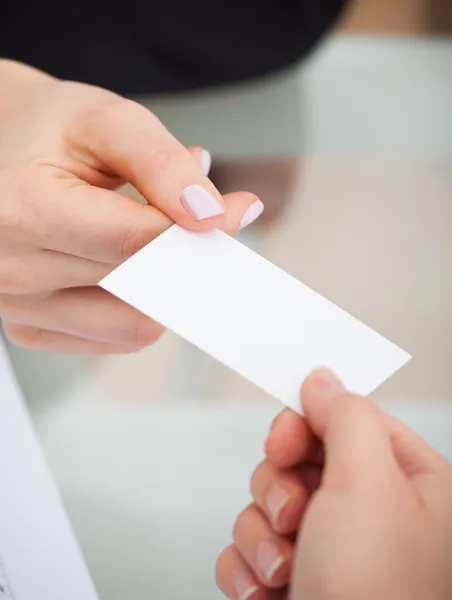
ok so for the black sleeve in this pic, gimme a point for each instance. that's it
(143, 46)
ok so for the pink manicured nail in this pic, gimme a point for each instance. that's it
(269, 559)
(244, 586)
(200, 203)
(276, 500)
(206, 161)
(253, 212)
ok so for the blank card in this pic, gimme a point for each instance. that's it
(250, 315)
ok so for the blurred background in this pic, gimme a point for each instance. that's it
(351, 153)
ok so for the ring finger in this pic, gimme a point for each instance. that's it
(283, 494)
(53, 341)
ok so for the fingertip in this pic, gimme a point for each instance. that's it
(354, 438)
(236, 579)
(242, 209)
(203, 210)
(253, 212)
(290, 441)
(318, 390)
(281, 426)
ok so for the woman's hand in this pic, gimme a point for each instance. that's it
(348, 504)
(64, 150)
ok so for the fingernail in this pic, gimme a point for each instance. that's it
(200, 203)
(253, 212)
(244, 586)
(206, 161)
(324, 382)
(269, 559)
(276, 500)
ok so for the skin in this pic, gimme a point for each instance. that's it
(353, 502)
(65, 150)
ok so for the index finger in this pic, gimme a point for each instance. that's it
(129, 141)
(96, 224)
(103, 225)
(291, 442)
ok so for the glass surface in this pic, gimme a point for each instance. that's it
(153, 451)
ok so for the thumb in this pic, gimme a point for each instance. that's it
(357, 445)
(128, 140)
(359, 438)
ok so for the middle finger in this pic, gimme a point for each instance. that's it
(283, 494)
(291, 441)
(40, 271)
(90, 313)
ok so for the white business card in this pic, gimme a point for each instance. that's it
(250, 315)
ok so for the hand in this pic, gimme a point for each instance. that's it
(370, 501)
(64, 150)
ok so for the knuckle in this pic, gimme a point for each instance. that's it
(94, 109)
(105, 112)
(169, 152)
(117, 109)
(157, 144)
